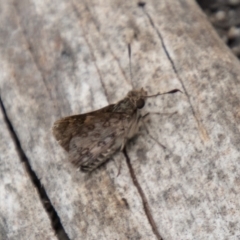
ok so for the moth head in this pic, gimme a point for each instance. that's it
(137, 97)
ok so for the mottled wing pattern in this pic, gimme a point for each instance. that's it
(101, 137)
(66, 128)
(94, 137)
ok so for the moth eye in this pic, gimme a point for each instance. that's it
(140, 103)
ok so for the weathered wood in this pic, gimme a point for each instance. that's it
(68, 57)
(22, 215)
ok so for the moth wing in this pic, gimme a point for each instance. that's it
(101, 136)
(92, 137)
(66, 128)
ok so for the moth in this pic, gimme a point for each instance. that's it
(92, 138)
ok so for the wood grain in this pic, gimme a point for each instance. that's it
(71, 57)
(22, 213)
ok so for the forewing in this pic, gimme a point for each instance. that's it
(100, 137)
(66, 128)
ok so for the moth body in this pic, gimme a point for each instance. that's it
(92, 138)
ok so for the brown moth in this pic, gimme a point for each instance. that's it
(92, 138)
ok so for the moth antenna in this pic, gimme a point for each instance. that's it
(169, 92)
(130, 61)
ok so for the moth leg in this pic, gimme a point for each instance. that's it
(157, 113)
(144, 116)
(145, 126)
(123, 143)
(119, 167)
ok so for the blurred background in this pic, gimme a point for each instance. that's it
(224, 15)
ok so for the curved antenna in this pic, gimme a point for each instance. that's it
(169, 92)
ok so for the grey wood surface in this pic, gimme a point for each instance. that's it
(22, 215)
(59, 58)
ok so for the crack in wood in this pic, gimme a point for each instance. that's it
(53, 216)
(202, 130)
(146, 206)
